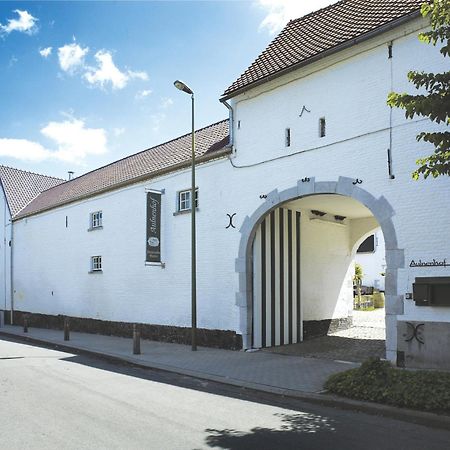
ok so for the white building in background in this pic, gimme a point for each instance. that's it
(371, 256)
(311, 163)
(17, 189)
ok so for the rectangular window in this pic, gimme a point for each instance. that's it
(287, 137)
(96, 219)
(184, 200)
(322, 127)
(96, 263)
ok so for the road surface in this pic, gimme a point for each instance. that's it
(55, 400)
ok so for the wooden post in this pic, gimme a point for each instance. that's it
(66, 329)
(136, 340)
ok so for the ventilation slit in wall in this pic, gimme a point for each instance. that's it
(322, 127)
(287, 137)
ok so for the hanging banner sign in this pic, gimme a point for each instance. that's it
(153, 247)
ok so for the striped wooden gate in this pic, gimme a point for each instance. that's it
(276, 280)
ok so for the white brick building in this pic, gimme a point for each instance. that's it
(306, 179)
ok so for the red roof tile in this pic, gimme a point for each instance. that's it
(210, 141)
(21, 187)
(323, 30)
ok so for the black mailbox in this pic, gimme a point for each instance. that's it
(432, 291)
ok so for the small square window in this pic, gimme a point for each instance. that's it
(322, 127)
(96, 219)
(184, 200)
(96, 263)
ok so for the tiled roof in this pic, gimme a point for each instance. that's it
(22, 187)
(210, 141)
(321, 31)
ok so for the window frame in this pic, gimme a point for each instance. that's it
(96, 220)
(96, 264)
(186, 193)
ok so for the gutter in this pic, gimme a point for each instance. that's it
(230, 122)
(347, 44)
(146, 177)
(10, 253)
(11, 274)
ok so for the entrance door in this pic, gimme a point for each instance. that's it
(276, 280)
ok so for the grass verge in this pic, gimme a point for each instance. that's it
(376, 381)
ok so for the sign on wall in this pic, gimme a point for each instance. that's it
(153, 245)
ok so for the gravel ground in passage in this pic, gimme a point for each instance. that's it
(364, 340)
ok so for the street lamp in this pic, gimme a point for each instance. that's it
(183, 87)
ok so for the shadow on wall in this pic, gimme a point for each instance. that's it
(295, 431)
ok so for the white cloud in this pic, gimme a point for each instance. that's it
(25, 23)
(107, 72)
(23, 150)
(139, 75)
(46, 52)
(118, 131)
(13, 60)
(279, 12)
(142, 94)
(73, 142)
(157, 120)
(166, 102)
(71, 57)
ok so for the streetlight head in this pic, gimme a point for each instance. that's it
(182, 87)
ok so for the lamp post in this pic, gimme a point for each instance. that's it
(183, 87)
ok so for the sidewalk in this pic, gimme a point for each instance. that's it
(257, 370)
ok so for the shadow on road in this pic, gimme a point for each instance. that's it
(295, 429)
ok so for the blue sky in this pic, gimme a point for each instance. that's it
(85, 83)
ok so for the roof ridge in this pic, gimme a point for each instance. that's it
(172, 155)
(32, 173)
(134, 154)
(316, 11)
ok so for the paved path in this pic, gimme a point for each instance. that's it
(364, 340)
(252, 369)
(56, 400)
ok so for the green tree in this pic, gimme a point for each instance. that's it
(435, 104)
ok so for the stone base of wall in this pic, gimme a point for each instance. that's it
(423, 345)
(317, 328)
(229, 340)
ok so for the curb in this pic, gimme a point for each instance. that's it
(408, 415)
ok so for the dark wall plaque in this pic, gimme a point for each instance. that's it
(153, 245)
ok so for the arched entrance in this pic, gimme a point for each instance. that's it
(275, 211)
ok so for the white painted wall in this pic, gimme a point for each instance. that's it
(351, 94)
(350, 91)
(52, 276)
(5, 253)
(326, 270)
(373, 264)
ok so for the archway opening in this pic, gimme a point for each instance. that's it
(303, 290)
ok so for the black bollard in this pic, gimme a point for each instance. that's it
(66, 329)
(136, 341)
(25, 324)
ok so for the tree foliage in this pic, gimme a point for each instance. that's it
(435, 103)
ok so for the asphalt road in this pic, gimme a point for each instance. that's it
(55, 400)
